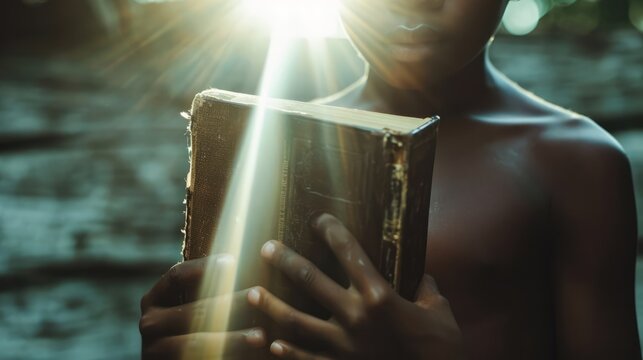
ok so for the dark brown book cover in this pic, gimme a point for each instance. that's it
(372, 171)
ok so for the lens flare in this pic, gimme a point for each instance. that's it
(522, 17)
(297, 18)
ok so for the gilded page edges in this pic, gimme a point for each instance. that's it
(396, 162)
(189, 180)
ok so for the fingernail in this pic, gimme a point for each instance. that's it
(254, 296)
(255, 335)
(268, 249)
(276, 348)
(317, 219)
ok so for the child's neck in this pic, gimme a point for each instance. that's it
(472, 88)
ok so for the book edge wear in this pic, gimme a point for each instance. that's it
(399, 219)
(395, 157)
(189, 180)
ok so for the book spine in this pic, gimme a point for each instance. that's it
(421, 156)
(395, 160)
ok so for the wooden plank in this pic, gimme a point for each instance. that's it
(72, 319)
(89, 175)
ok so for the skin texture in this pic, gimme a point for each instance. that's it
(532, 234)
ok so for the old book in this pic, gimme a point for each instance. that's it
(261, 169)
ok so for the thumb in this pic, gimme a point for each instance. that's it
(427, 289)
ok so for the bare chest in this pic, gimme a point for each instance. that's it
(489, 241)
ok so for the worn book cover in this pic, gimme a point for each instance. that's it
(261, 169)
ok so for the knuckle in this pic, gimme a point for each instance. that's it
(174, 274)
(378, 297)
(291, 320)
(146, 325)
(307, 274)
(199, 311)
(142, 325)
(264, 296)
(281, 256)
(356, 320)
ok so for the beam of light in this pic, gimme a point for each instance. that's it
(252, 187)
(297, 18)
(248, 191)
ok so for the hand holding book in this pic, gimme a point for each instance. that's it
(335, 297)
(176, 317)
(365, 315)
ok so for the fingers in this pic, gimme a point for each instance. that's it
(291, 319)
(348, 251)
(305, 274)
(205, 345)
(285, 350)
(199, 316)
(182, 283)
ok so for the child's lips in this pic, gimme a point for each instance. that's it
(413, 43)
(414, 35)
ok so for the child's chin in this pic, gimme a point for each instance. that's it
(411, 77)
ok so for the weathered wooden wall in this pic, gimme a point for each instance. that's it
(93, 159)
(91, 189)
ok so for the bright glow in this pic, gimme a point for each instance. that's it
(250, 190)
(297, 18)
(521, 17)
(258, 157)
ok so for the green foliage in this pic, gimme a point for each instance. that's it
(573, 16)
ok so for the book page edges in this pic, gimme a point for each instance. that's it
(367, 120)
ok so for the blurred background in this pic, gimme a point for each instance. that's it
(93, 150)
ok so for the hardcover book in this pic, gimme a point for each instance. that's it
(262, 169)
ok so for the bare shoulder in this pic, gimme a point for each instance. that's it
(574, 135)
(578, 162)
(593, 215)
(565, 142)
(571, 145)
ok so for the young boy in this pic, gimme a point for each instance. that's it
(532, 235)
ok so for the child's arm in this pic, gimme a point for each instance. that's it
(594, 212)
